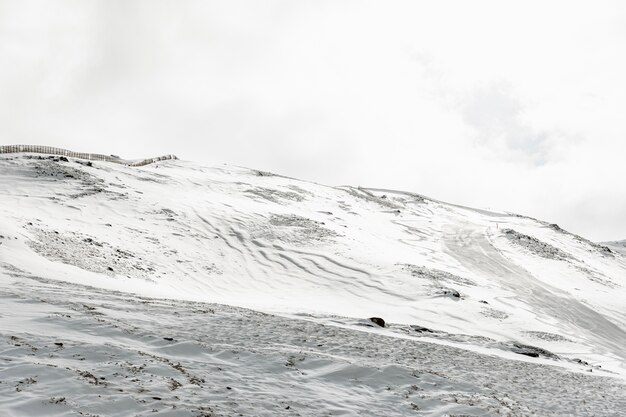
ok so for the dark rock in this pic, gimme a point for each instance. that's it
(527, 353)
(421, 329)
(483, 302)
(58, 344)
(63, 159)
(452, 293)
(378, 321)
(110, 269)
(169, 339)
(556, 227)
(532, 351)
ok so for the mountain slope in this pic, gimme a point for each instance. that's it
(481, 281)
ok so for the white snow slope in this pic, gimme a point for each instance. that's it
(487, 313)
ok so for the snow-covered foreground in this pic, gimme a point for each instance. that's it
(73, 350)
(487, 312)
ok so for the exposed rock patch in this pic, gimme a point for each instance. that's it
(532, 351)
(599, 247)
(293, 229)
(436, 275)
(535, 245)
(273, 195)
(549, 337)
(86, 252)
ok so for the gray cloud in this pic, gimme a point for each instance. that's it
(497, 116)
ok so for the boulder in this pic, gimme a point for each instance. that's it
(378, 321)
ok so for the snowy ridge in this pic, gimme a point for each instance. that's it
(446, 278)
(618, 245)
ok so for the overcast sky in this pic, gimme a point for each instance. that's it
(515, 105)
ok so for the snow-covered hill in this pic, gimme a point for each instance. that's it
(526, 297)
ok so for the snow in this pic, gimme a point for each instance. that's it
(120, 355)
(515, 306)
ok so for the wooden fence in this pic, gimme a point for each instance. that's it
(88, 156)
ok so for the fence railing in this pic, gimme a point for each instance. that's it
(80, 155)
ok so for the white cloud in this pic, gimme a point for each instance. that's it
(492, 103)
